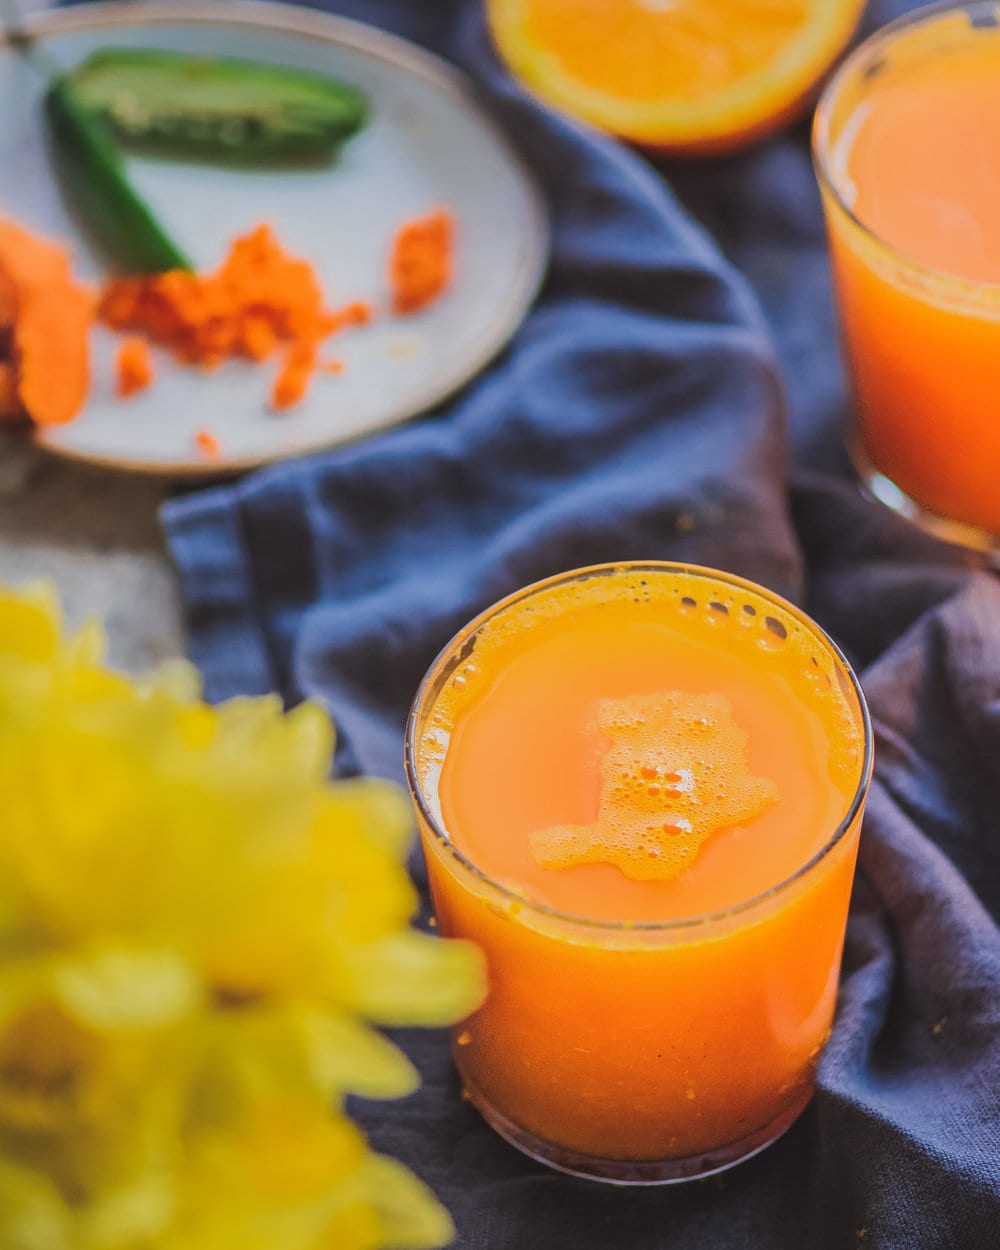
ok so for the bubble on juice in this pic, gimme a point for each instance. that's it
(675, 771)
(435, 741)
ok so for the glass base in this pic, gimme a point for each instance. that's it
(879, 487)
(638, 1171)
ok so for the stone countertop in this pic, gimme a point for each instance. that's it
(96, 535)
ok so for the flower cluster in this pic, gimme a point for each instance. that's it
(197, 932)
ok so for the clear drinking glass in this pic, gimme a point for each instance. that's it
(922, 345)
(644, 1053)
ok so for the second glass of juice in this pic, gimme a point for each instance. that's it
(907, 152)
(639, 789)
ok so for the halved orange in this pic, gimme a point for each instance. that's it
(686, 76)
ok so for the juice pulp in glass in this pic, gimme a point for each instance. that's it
(621, 777)
(908, 147)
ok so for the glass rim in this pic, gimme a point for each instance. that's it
(820, 137)
(467, 632)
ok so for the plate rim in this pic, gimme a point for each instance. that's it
(295, 19)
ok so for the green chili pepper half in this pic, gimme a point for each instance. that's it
(94, 178)
(217, 108)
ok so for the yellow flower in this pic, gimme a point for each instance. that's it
(197, 932)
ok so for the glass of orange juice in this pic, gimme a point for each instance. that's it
(906, 146)
(639, 789)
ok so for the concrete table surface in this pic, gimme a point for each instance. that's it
(96, 535)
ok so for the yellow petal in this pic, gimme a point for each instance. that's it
(29, 621)
(383, 808)
(411, 978)
(87, 646)
(302, 740)
(115, 988)
(295, 1152)
(179, 679)
(199, 928)
(345, 1056)
(411, 1217)
(130, 1216)
(32, 1214)
(356, 1227)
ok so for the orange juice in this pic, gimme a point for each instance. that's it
(639, 789)
(907, 145)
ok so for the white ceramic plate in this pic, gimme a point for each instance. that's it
(428, 143)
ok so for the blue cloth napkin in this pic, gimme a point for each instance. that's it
(675, 394)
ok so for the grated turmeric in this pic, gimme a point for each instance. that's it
(293, 378)
(420, 267)
(134, 367)
(260, 299)
(45, 320)
(206, 442)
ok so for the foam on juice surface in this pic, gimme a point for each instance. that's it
(674, 771)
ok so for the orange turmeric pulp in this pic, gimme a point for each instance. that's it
(421, 263)
(207, 443)
(260, 299)
(134, 366)
(45, 320)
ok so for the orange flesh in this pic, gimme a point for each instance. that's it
(616, 1043)
(925, 168)
(685, 76)
(643, 50)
